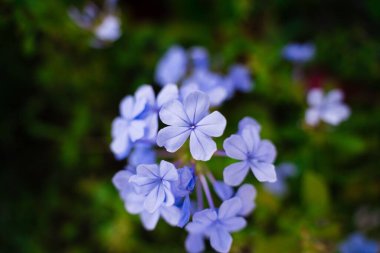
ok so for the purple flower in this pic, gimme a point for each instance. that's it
(253, 152)
(167, 94)
(214, 85)
(128, 127)
(328, 108)
(298, 53)
(283, 171)
(191, 118)
(154, 182)
(218, 224)
(240, 78)
(172, 66)
(357, 243)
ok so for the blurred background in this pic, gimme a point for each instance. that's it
(60, 90)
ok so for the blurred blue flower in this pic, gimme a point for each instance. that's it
(357, 243)
(154, 182)
(108, 29)
(248, 121)
(283, 171)
(298, 53)
(172, 66)
(254, 153)
(191, 118)
(143, 153)
(218, 224)
(199, 57)
(247, 194)
(223, 190)
(328, 108)
(240, 78)
(167, 94)
(127, 128)
(213, 84)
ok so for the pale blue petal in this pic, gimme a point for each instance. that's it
(195, 243)
(235, 147)
(167, 94)
(220, 240)
(126, 107)
(169, 197)
(199, 56)
(154, 199)
(171, 214)
(196, 106)
(247, 194)
(134, 203)
(119, 127)
(168, 171)
(142, 154)
(335, 114)
(312, 116)
(334, 96)
(121, 145)
(172, 66)
(202, 147)
(234, 224)
(266, 152)
(315, 97)
(143, 185)
(201, 220)
(264, 172)
(136, 130)
(187, 88)
(149, 220)
(148, 170)
(240, 77)
(213, 124)
(229, 208)
(251, 137)
(173, 113)
(217, 95)
(235, 173)
(223, 190)
(146, 92)
(172, 137)
(151, 122)
(185, 212)
(248, 121)
(121, 179)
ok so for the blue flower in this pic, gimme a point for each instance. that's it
(298, 53)
(329, 108)
(240, 78)
(247, 194)
(283, 171)
(191, 118)
(172, 66)
(199, 57)
(154, 182)
(357, 243)
(214, 85)
(168, 93)
(127, 128)
(142, 154)
(253, 152)
(218, 224)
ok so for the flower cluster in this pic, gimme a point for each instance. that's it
(167, 178)
(104, 24)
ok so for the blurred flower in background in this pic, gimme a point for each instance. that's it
(357, 243)
(284, 171)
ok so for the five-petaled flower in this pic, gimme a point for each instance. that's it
(154, 182)
(253, 152)
(191, 118)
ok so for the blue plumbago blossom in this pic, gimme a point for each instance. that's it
(283, 171)
(128, 127)
(199, 57)
(357, 243)
(240, 78)
(146, 92)
(172, 66)
(217, 224)
(328, 108)
(154, 182)
(191, 118)
(298, 53)
(254, 153)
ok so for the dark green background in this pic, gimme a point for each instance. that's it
(58, 97)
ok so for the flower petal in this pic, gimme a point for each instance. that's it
(248, 121)
(336, 114)
(148, 170)
(234, 224)
(221, 240)
(195, 243)
(146, 92)
(202, 147)
(223, 190)
(235, 173)
(201, 220)
(121, 179)
(121, 145)
(229, 208)
(172, 137)
(315, 97)
(149, 220)
(251, 137)
(235, 147)
(196, 106)
(167, 94)
(312, 116)
(168, 171)
(154, 199)
(136, 130)
(266, 152)
(264, 172)
(247, 194)
(173, 113)
(213, 124)
(334, 96)
(171, 214)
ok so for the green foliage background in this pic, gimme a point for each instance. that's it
(58, 97)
